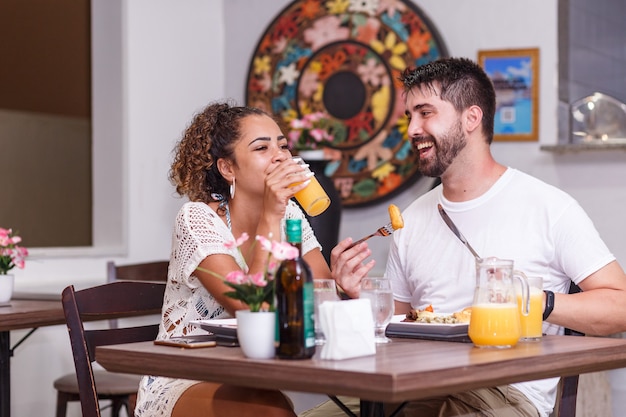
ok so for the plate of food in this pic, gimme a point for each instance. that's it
(425, 324)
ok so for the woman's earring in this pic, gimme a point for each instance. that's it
(232, 189)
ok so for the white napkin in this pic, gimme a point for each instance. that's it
(348, 327)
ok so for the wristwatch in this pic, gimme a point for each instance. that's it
(549, 304)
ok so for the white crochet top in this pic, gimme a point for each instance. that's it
(198, 233)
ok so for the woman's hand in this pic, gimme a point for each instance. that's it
(279, 184)
(347, 265)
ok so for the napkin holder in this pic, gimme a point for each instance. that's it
(348, 328)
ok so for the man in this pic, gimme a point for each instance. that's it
(502, 212)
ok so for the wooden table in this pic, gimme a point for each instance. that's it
(400, 371)
(21, 314)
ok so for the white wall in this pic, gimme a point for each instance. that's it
(174, 57)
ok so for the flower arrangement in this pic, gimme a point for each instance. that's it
(257, 290)
(11, 254)
(311, 132)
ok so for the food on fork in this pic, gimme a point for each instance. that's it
(428, 315)
(396, 217)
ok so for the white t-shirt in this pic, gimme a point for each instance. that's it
(198, 233)
(541, 228)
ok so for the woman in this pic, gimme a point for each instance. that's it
(235, 167)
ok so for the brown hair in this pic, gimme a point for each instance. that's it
(212, 135)
(462, 82)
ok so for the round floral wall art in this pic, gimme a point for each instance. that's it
(342, 58)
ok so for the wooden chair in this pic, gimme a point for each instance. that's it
(116, 387)
(105, 302)
(567, 390)
(146, 271)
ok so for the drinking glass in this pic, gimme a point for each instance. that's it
(532, 323)
(378, 291)
(313, 199)
(323, 290)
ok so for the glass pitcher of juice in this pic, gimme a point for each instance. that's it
(495, 320)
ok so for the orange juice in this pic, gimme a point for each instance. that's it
(313, 198)
(532, 323)
(495, 325)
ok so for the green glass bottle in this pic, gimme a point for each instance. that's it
(294, 301)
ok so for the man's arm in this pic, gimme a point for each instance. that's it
(600, 309)
(401, 308)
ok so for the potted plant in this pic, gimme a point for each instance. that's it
(312, 136)
(256, 327)
(11, 255)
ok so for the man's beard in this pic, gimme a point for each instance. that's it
(446, 147)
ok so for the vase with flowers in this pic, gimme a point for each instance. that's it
(11, 255)
(256, 327)
(312, 136)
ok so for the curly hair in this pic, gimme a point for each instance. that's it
(212, 135)
(462, 82)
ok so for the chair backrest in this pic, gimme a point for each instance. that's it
(105, 302)
(146, 271)
(568, 386)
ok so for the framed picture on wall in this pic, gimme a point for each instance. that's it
(515, 76)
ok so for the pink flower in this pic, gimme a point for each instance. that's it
(238, 242)
(371, 72)
(312, 131)
(258, 279)
(236, 277)
(11, 255)
(324, 31)
(309, 84)
(303, 123)
(320, 135)
(283, 250)
(314, 117)
(265, 242)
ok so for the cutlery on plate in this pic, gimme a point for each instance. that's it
(386, 230)
(456, 231)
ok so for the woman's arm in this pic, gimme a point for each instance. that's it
(219, 266)
(317, 263)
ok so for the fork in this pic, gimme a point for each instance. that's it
(386, 230)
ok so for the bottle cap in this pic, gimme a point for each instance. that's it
(293, 230)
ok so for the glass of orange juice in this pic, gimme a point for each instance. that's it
(313, 199)
(532, 323)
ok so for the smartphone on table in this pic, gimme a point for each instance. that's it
(190, 342)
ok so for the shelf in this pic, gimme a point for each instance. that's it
(584, 147)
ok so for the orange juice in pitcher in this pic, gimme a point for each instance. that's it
(495, 325)
(495, 320)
